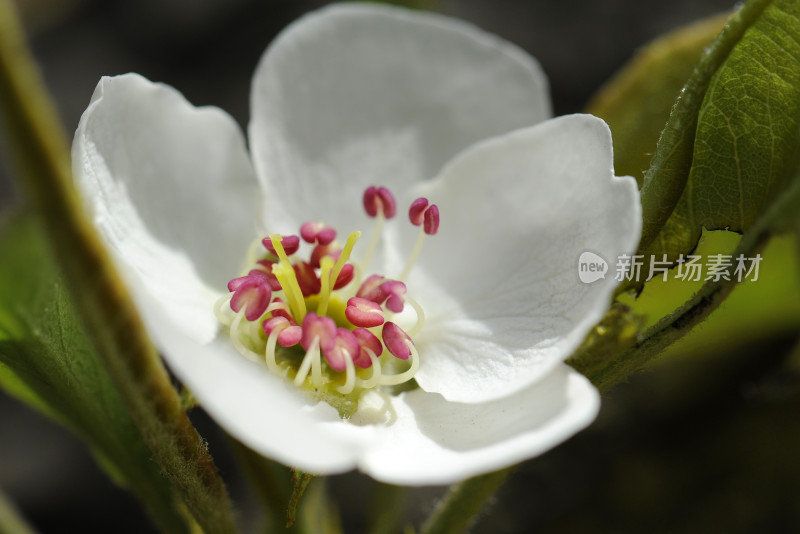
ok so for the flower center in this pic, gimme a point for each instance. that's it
(317, 321)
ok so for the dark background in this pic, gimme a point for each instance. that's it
(722, 458)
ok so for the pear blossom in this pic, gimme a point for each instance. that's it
(387, 279)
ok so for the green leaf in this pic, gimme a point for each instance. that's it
(666, 178)
(748, 133)
(637, 101)
(48, 363)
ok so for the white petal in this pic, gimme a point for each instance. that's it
(358, 94)
(262, 411)
(500, 279)
(171, 189)
(434, 441)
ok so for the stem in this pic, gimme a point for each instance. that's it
(300, 481)
(40, 151)
(459, 508)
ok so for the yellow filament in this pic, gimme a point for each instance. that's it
(326, 265)
(412, 259)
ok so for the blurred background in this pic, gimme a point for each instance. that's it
(708, 442)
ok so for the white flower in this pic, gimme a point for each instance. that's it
(346, 97)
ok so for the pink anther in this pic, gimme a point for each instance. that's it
(363, 312)
(320, 251)
(289, 334)
(420, 213)
(345, 345)
(307, 278)
(396, 341)
(379, 290)
(281, 309)
(416, 212)
(321, 328)
(345, 276)
(370, 288)
(316, 232)
(431, 224)
(394, 291)
(265, 266)
(367, 340)
(290, 244)
(379, 199)
(252, 292)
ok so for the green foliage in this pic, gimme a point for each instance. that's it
(747, 134)
(48, 363)
(666, 179)
(726, 159)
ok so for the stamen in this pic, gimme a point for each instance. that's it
(393, 380)
(286, 245)
(319, 333)
(219, 305)
(373, 242)
(310, 360)
(416, 212)
(364, 313)
(276, 327)
(317, 232)
(237, 343)
(289, 334)
(350, 376)
(431, 223)
(427, 218)
(396, 340)
(368, 343)
(252, 293)
(412, 258)
(306, 278)
(278, 308)
(375, 378)
(379, 200)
